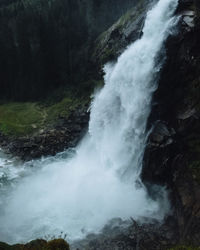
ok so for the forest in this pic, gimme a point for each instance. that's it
(45, 44)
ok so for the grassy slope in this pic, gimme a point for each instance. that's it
(26, 118)
(20, 119)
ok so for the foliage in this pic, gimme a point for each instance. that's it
(57, 244)
(45, 44)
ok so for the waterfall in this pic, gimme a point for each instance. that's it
(79, 193)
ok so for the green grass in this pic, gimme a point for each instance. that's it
(21, 119)
(63, 108)
(26, 118)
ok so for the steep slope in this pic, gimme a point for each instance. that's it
(172, 154)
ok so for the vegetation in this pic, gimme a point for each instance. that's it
(45, 44)
(25, 118)
(20, 118)
(57, 244)
(131, 15)
(38, 47)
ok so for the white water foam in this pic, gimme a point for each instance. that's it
(78, 194)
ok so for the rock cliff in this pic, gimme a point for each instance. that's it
(172, 154)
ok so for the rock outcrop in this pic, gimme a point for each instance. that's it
(172, 154)
(110, 44)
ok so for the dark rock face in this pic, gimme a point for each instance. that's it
(113, 42)
(149, 236)
(172, 154)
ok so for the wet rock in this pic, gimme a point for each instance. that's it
(133, 236)
(113, 42)
(189, 112)
(172, 155)
(161, 135)
(188, 20)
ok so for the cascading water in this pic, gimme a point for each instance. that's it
(79, 193)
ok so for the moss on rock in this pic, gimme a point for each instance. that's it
(110, 44)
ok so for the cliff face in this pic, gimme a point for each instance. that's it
(110, 44)
(172, 157)
(44, 42)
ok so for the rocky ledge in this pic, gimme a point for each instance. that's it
(65, 133)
